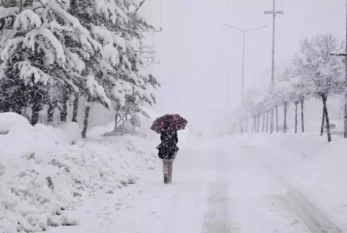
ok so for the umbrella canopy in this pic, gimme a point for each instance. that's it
(174, 121)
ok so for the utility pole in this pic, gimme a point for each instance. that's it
(345, 99)
(345, 115)
(274, 13)
(244, 31)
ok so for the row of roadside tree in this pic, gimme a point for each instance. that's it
(314, 73)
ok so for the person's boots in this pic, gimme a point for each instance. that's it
(166, 178)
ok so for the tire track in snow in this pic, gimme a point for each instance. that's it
(315, 220)
(216, 219)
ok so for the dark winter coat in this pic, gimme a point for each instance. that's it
(168, 146)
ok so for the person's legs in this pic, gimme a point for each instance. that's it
(166, 170)
(170, 165)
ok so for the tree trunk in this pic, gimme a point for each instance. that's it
(258, 125)
(267, 121)
(276, 119)
(296, 117)
(241, 126)
(63, 113)
(20, 5)
(35, 114)
(272, 123)
(17, 110)
(325, 109)
(263, 122)
(247, 126)
(302, 116)
(253, 125)
(75, 108)
(244, 125)
(4, 106)
(285, 127)
(50, 113)
(86, 118)
(116, 121)
(323, 123)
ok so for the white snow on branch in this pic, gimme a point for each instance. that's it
(109, 37)
(11, 47)
(121, 13)
(111, 54)
(5, 12)
(31, 74)
(118, 94)
(119, 41)
(128, 64)
(76, 62)
(120, 90)
(110, 10)
(26, 19)
(31, 40)
(97, 91)
(71, 19)
(2, 73)
(103, 34)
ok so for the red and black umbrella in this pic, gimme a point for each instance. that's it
(173, 121)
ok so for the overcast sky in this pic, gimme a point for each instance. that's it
(196, 52)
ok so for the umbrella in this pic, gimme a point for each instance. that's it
(173, 120)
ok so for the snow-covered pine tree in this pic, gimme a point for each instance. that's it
(322, 73)
(117, 27)
(42, 45)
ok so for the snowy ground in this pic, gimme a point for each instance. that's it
(46, 172)
(237, 184)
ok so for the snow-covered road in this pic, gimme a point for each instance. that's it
(213, 192)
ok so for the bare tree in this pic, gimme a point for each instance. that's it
(321, 72)
(296, 116)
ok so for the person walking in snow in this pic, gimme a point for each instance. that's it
(167, 126)
(167, 151)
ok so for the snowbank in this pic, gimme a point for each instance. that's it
(323, 179)
(309, 163)
(46, 171)
(11, 121)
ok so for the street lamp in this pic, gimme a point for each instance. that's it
(244, 31)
